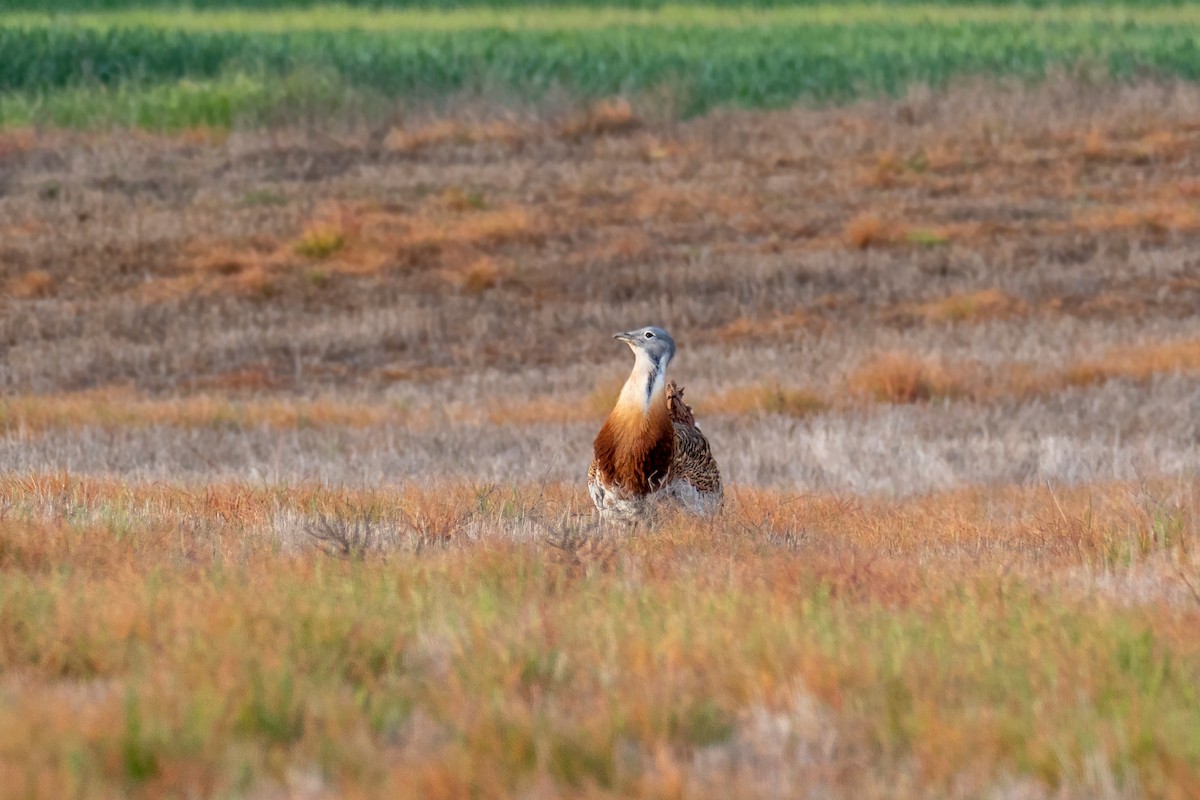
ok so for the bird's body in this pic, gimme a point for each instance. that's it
(650, 449)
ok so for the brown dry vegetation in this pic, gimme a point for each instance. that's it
(330, 260)
(294, 422)
(485, 639)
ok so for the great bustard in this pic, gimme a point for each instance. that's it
(650, 449)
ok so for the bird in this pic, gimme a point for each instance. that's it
(649, 449)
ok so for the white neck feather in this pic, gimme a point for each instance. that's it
(645, 382)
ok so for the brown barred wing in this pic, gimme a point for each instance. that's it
(693, 460)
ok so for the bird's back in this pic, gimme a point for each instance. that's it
(692, 463)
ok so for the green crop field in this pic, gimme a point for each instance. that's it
(161, 69)
(452, 5)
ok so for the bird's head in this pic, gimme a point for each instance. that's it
(653, 344)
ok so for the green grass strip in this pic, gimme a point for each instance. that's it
(438, 6)
(221, 69)
(579, 17)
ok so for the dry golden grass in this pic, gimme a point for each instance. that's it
(1188, 188)
(537, 412)
(1139, 363)
(867, 230)
(901, 377)
(481, 222)
(604, 117)
(981, 306)
(454, 236)
(1095, 146)
(768, 399)
(1033, 526)
(770, 328)
(482, 639)
(688, 205)
(456, 132)
(1167, 145)
(623, 247)
(898, 377)
(1160, 218)
(16, 141)
(235, 400)
(122, 408)
(476, 276)
(36, 283)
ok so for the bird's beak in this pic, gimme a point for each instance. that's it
(627, 338)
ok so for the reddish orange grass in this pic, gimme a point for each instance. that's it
(889, 633)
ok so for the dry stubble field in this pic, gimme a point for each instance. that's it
(294, 425)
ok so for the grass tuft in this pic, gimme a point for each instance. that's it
(605, 118)
(32, 284)
(866, 230)
(972, 307)
(899, 377)
(320, 242)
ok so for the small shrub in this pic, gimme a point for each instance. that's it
(350, 537)
(320, 242)
(865, 230)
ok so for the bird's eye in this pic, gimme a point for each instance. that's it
(649, 335)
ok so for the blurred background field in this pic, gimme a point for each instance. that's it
(161, 68)
(305, 319)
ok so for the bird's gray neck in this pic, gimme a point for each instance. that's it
(648, 378)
